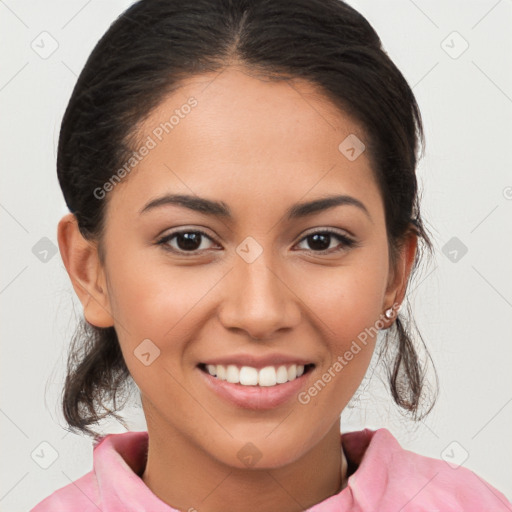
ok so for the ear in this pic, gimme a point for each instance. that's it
(399, 275)
(84, 268)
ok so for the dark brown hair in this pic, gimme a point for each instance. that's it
(155, 45)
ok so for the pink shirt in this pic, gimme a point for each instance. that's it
(387, 479)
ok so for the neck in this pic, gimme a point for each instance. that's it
(184, 476)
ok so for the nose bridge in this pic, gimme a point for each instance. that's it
(257, 300)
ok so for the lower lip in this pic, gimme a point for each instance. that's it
(255, 397)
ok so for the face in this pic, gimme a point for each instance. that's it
(249, 283)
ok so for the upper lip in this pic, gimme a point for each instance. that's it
(257, 361)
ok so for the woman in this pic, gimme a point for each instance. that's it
(244, 222)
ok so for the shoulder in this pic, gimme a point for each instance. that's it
(85, 494)
(114, 481)
(392, 478)
(82, 494)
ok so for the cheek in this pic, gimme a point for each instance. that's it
(164, 305)
(152, 297)
(346, 299)
(346, 305)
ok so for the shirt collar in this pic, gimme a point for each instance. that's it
(119, 461)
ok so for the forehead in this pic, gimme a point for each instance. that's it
(249, 142)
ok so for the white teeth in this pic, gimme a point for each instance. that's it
(267, 376)
(282, 375)
(220, 372)
(233, 374)
(249, 376)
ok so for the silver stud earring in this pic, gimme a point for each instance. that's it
(392, 311)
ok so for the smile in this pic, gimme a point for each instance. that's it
(249, 376)
(247, 387)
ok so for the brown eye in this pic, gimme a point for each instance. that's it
(186, 241)
(320, 241)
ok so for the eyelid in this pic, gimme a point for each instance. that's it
(347, 241)
(334, 231)
(164, 239)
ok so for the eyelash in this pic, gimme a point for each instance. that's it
(345, 240)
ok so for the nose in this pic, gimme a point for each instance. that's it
(258, 300)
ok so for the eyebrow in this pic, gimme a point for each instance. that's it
(221, 210)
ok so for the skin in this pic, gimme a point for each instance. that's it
(259, 147)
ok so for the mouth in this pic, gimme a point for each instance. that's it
(269, 376)
(257, 389)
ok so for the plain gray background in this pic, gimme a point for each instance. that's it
(457, 56)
